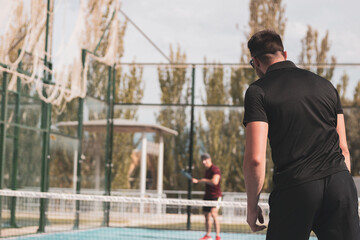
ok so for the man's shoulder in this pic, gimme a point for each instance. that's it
(215, 169)
(314, 78)
(256, 87)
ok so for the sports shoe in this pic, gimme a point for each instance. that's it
(218, 238)
(206, 237)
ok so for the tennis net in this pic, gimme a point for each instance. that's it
(116, 217)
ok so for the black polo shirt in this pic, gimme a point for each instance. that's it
(301, 109)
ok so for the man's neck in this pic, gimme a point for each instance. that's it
(266, 67)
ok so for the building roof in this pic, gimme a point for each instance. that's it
(120, 125)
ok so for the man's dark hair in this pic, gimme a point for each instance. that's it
(205, 156)
(263, 42)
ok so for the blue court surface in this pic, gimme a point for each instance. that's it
(138, 234)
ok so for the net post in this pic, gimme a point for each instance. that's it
(188, 223)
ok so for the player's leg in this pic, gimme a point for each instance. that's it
(208, 223)
(292, 211)
(338, 219)
(207, 214)
(214, 214)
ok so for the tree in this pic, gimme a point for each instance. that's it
(129, 90)
(264, 14)
(352, 115)
(174, 86)
(267, 14)
(317, 53)
(342, 88)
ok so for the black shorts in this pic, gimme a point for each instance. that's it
(207, 209)
(328, 206)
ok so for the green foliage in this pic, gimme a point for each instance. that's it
(357, 94)
(315, 52)
(267, 14)
(342, 87)
(264, 14)
(174, 86)
(128, 90)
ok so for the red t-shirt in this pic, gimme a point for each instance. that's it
(212, 192)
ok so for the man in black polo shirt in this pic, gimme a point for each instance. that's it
(301, 114)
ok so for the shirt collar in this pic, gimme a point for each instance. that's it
(280, 65)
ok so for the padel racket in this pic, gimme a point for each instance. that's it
(186, 174)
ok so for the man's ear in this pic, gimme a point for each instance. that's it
(285, 55)
(256, 62)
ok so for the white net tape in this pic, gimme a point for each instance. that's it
(118, 199)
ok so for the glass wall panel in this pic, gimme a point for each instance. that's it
(151, 84)
(30, 112)
(29, 159)
(220, 132)
(63, 163)
(127, 146)
(97, 79)
(70, 113)
(8, 164)
(94, 145)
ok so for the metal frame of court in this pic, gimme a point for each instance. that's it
(109, 123)
(112, 125)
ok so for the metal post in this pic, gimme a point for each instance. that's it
(4, 103)
(108, 150)
(80, 156)
(188, 224)
(14, 171)
(44, 164)
(45, 126)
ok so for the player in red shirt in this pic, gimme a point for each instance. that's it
(212, 192)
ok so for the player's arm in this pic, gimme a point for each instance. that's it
(340, 128)
(254, 170)
(213, 181)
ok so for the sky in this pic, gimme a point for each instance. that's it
(215, 29)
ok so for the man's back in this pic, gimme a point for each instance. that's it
(301, 114)
(301, 109)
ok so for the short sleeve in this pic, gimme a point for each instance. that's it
(254, 105)
(216, 170)
(339, 109)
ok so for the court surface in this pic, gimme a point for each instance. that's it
(138, 234)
